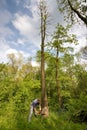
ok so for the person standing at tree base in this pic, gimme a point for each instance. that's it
(35, 103)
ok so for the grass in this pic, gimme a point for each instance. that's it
(53, 122)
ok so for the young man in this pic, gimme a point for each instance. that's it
(33, 110)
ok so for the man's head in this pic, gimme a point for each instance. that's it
(39, 101)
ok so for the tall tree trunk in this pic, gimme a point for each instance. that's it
(57, 80)
(44, 102)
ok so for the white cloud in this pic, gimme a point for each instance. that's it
(10, 51)
(23, 24)
(28, 27)
(80, 31)
(14, 51)
(3, 48)
(34, 63)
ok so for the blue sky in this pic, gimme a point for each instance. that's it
(20, 24)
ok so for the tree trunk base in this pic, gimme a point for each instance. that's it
(45, 112)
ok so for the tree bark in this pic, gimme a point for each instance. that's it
(44, 102)
(57, 79)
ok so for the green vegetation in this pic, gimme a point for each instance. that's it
(54, 121)
(18, 89)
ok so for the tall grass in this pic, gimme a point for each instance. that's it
(53, 122)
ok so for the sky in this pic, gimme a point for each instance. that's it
(20, 27)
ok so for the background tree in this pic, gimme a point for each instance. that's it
(15, 63)
(60, 37)
(73, 7)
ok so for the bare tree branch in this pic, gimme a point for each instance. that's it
(84, 19)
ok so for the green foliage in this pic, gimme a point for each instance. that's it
(82, 79)
(78, 109)
(15, 99)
